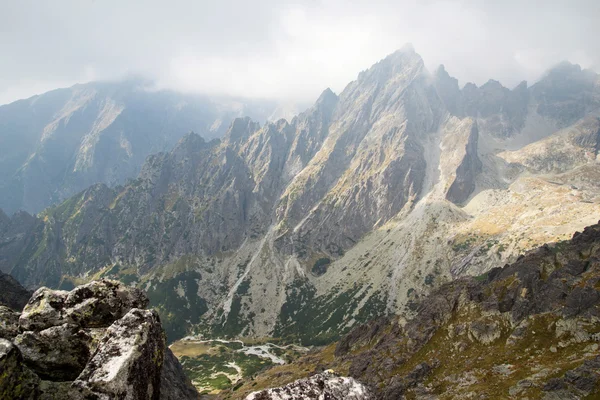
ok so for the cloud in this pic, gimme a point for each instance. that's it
(283, 49)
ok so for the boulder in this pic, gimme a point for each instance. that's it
(174, 384)
(321, 386)
(9, 323)
(100, 303)
(93, 305)
(128, 361)
(58, 353)
(94, 342)
(43, 310)
(16, 381)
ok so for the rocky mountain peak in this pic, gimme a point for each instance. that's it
(327, 100)
(191, 141)
(567, 93)
(522, 86)
(404, 63)
(565, 78)
(564, 69)
(241, 129)
(56, 144)
(448, 90)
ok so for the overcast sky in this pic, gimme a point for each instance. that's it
(282, 49)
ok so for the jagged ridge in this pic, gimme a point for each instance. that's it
(304, 228)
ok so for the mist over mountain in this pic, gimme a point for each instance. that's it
(58, 143)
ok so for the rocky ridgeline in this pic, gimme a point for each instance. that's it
(326, 385)
(95, 342)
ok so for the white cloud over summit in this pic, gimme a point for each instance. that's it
(283, 49)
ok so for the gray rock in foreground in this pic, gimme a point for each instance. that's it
(129, 358)
(94, 342)
(9, 323)
(322, 386)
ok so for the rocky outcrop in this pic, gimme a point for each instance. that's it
(466, 173)
(326, 385)
(129, 359)
(95, 341)
(174, 384)
(58, 353)
(9, 323)
(93, 305)
(12, 294)
(16, 382)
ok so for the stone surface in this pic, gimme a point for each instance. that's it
(96, 304)
(89, 343)
(324, 386)
(128, 361)
(43, 310)
(9, 323)
(100, 303)
(57, 353)
(16, 382)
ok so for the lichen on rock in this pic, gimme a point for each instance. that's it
(94, 342)
(326, 385)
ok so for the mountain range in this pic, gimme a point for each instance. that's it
(356, 208)
(59, 143)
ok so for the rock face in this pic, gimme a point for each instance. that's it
(58, 143)
(9, 323)
(398, 184)
(12, 294)
(58, 353)
(92, 342)
(174, 384)
(129, 359)
(16, 382)
(322, 386)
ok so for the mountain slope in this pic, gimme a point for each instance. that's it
(527, 330)
(58, 143)
(356, 208)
